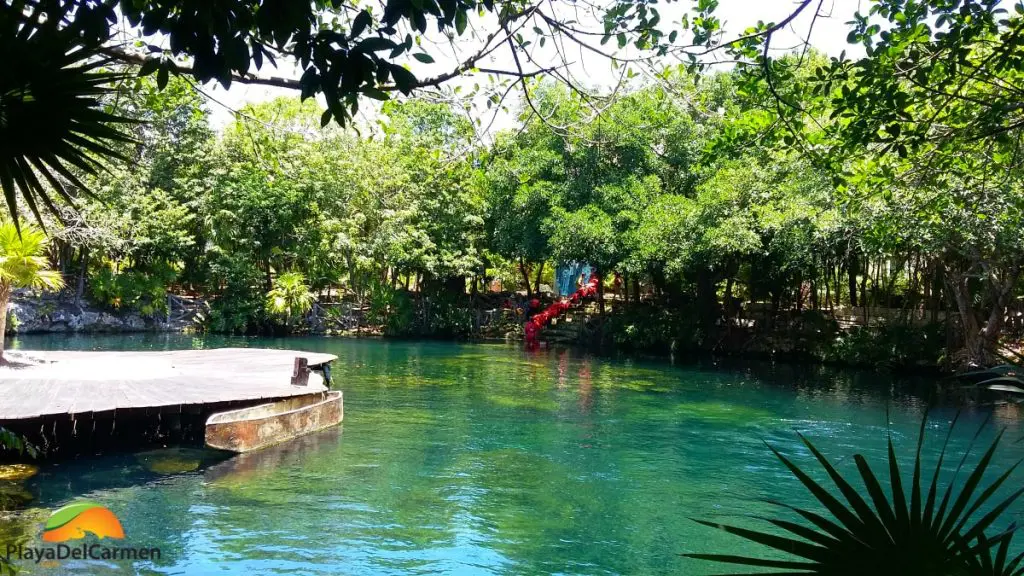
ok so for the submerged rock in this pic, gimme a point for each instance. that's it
(13, 495)
(176, 460)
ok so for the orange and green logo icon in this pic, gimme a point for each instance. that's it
(73, 521)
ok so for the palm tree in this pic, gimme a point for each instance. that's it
(290, 296)
(22, 265)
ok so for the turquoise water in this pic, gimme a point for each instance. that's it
(487, 459)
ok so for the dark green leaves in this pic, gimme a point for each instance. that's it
(162, 77)
(54, 128)
(375, 44)
(404, 79)
(460, 21)
(361, 22)
(11, 441)
(149, 66)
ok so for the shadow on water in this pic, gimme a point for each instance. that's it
(248, 468)
(58, 482)
(55, 483)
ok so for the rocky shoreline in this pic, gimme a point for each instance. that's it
(29, 312)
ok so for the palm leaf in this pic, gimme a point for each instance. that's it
(883, 535)
(51, 110)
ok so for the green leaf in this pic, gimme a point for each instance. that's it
(360, 23)
(404, 79)
(162, 77)
(68, 513)
(424, 57)
(149, 66)
(376, 94)
(460, 22)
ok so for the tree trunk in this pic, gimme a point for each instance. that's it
(799, 300)
(727, 298)
(5, 295)
(526, 276)
(536, 283)
(935, 287)
(864, 287)
(1002, 290)
(851, 278)
(980, 340)
(776, 304)
(707, 302)
(974, 345)
(83, 266)
(837, 284)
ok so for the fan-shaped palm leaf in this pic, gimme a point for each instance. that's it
(935, 533)
(52, 123)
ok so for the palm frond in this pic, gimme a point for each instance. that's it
(22, 263)
(51, 110)
(290, 295)
(48, 279)
(884, 533)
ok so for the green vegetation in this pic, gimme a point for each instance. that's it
(694, 234)
(860, 211)
(22, 265)
(290, 297)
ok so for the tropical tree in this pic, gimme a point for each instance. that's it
(345, 50)
(290, 297)
(22, 265)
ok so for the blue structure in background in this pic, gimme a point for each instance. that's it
(567, 274)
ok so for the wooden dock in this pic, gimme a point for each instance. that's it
(81, 385)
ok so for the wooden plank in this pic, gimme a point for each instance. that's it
(80, 383)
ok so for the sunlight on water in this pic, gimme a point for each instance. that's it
(485, 459)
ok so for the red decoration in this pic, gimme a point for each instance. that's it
(541, 319)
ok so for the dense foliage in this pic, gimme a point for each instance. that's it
(695, 235)
(785, 200)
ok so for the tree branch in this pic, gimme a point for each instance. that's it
(139, 59)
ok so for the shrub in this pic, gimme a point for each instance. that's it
(896, 345)
(648, 328)
(141, 290)
(239, 307)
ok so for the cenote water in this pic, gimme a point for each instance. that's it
(487, 459)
